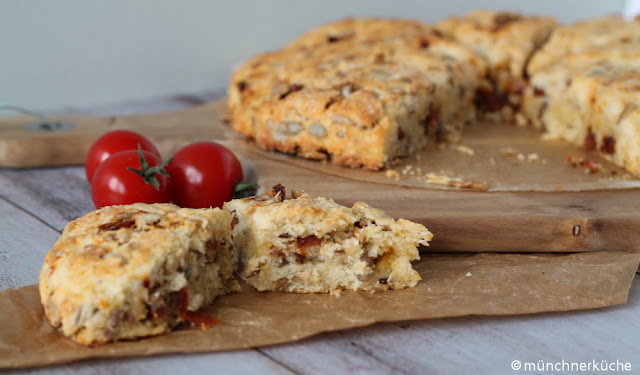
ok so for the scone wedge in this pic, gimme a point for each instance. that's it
(359, 92)
(597, 34)
(591, 99)
(507, 41)
(313, 245)
(138, 270)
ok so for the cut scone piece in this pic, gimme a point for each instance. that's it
(585, 88)
(506, 40)
(587, 35)
(123, 272)
(591, 99)
(311, 245)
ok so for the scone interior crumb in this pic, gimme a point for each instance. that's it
(309, 245)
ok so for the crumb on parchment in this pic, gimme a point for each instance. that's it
(579, 160)
(431, 178)
(465, 150)
(454, 182)
(532, 157)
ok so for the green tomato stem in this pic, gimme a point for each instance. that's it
(147, 173)
(241, 189)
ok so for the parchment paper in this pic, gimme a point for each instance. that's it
(491, 157)
(452, 285)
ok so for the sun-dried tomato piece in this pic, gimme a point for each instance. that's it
(115, 225)
(590, 141)
(158, 312)
(487, 100)
(180, 301)
(538, 92)
(430, 123)
(300, 259)
(591, 166)
(608, 144)
(308, 241)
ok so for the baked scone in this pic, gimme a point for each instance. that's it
(359, 92)
(506, 40)
(363, 30)
(587, 35)
(311, 245)
(123, 272)
(365, 92)
(591, 99)
(585, 88)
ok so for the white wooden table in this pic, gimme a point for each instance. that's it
(36, 204)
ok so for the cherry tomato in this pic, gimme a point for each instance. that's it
(204, 175)
(113, 183)
(113, 142)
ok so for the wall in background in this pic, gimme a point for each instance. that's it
(72, 53)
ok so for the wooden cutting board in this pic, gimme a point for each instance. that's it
(460, 220)
(21, 147)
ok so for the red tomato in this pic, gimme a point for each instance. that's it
(204, 175)
(113, 183)
(112, 142)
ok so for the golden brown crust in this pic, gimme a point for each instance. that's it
(359, 92)
(583, 36)
(505, 39)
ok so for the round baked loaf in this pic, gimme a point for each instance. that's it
(123, 272)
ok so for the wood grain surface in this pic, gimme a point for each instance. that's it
(21, 147)
(481, 221)
(37, 203)
(461, 220)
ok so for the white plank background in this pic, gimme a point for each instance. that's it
(36, 204)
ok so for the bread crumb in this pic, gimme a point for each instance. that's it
(468, 274)
(575, 160)
(508, 151)
(465, 150)
(590, 165)
(521, 121)
(533, 158)
(438, 179)
(473, 185)
(390, 173)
